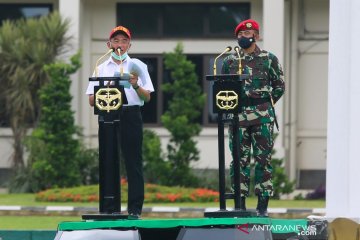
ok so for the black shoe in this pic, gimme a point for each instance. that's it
(134, 216)
(243, 204)
(262, 205)
(262, 213)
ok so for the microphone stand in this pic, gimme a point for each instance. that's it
(226, 94)
(96, 70)
(228, 49)
(238, 53)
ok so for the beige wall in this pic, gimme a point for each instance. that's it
(302, 115)
(102, 18)
(312, 84)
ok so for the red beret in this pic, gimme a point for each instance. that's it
(120, 29)
(248, 24)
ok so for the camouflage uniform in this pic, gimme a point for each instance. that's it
(257, 117)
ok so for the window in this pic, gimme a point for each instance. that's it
(179, 21)
(173, 20)
(198, 61)
(158, 104)
(182, 20)
(16, 11)
(150, 109)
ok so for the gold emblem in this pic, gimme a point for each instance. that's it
(108, 99)
(226, 100)
(249, 25)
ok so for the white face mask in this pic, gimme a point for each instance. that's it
(119, 58)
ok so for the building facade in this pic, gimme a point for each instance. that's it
(294, 30)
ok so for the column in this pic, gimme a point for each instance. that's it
(343, 163)
(273, 35)
(71, 9)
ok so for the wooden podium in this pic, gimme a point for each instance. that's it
(227, 92)
(109, 99)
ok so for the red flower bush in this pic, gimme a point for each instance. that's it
(153, 194)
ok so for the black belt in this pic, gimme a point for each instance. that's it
(246, 102)
(132, 108)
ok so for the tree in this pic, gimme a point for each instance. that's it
(57, 165)
(185, 106)
(26, 45)
(155, 168)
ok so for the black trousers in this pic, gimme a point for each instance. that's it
(131, 139)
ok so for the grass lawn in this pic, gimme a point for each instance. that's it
(34, 222)
(29, 200)
(51, 222)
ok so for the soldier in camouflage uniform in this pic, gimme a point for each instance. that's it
(264, 88)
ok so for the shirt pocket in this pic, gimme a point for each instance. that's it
(259, 86)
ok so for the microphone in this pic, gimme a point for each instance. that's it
(227, 49)
(97, 62)
(237, 50)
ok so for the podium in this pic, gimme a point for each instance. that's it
(227, 92)
(108, 102)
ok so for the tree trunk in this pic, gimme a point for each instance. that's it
(18, 157)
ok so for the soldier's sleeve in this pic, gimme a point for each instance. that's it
(276, 79)
(225, 69)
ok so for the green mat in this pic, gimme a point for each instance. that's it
(275, 225)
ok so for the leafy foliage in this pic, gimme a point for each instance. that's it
(187, 101)
(26, 45)
(88, 159)
(54, 153)
(155, 168)
(281, 182)
(153, 194)
(317, 193)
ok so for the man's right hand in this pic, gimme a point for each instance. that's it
(91, 100)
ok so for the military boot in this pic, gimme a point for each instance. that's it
(243, 204)
(262, 205)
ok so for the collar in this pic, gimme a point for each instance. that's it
(255, 53)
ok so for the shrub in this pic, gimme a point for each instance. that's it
(281, 182)
(155, 168)
(184, 109)
(88, 160)
(153, 194)
(53, 145)
(318, 193)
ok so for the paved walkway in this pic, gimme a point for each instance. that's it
(148, 211)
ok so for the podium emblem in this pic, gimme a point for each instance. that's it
(227, 100)
(108, 99)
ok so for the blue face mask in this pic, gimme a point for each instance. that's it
(245, 42)
(119, 58)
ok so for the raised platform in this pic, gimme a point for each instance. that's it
(195, 228)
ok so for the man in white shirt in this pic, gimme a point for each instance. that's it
(131, 126)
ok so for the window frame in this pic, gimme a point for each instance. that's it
(205, 85)
(160, 19)
(50, 6)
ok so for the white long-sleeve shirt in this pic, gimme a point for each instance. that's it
(110, 67)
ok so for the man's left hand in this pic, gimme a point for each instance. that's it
(133, 80)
